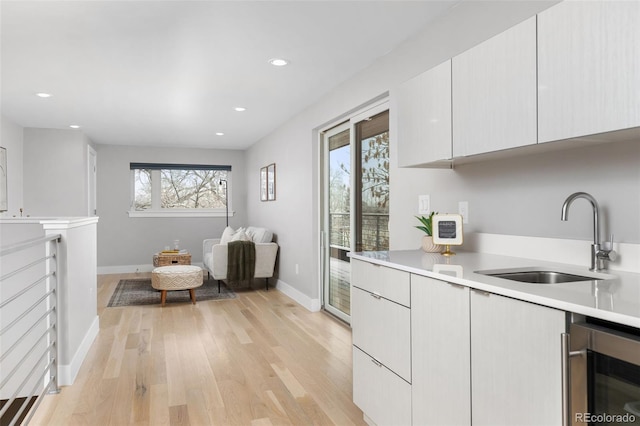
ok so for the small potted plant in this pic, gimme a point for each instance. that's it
(427, 240)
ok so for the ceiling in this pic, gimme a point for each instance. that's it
(170, 73)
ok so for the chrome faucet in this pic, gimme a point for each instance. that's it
(598, 254)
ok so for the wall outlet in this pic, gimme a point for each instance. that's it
(297, 269)
(463, 210)
(424, 204)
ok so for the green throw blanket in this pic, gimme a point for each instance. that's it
(241, 261)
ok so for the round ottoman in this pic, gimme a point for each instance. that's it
(176, 277)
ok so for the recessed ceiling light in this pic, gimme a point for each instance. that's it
(240, 109)
(74, 126)
(219, 134)
(278, 62)
(43, 95)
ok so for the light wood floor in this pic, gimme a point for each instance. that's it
(259, 359)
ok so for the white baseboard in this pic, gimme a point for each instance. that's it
(130, 269)
(67, 373)
(312, 305)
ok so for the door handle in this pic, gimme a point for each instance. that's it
(566, 355)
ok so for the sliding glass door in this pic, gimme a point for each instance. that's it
(337, 290)
(355, 201)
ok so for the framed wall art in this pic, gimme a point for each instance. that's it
(271, 182)
(263, 184)
(3, 180)
(268, 182)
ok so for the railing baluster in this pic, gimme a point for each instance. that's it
(375, 230)
(20, 348)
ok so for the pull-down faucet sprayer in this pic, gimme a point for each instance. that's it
(598, 255)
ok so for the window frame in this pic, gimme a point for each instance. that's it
(156, 190)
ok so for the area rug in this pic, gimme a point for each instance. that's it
(139, 292)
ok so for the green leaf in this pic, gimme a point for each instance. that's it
(426, 223)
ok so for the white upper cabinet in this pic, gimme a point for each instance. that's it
(424, 117)
(588, 68)
(494, 93)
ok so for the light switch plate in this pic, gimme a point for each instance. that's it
(424, 204)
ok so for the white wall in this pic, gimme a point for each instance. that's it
(11, 138)
(55, 172)
(78, 322)
(518, 197)
(127, 244)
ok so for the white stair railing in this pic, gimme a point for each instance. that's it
(28, 327)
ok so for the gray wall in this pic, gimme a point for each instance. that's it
(11, 138)
(518, 196)
(55, 172)
(524, 195)
(123, 240)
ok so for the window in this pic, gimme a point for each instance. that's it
(179, 189)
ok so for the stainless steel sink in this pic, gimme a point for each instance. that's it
(537, 276)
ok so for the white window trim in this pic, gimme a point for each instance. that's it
(157, 211)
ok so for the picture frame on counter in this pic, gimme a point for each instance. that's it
(447, 231)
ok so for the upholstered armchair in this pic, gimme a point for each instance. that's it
(215, 252)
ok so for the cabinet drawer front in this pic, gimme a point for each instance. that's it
(382, 329)
(384, 397)
(389, 283)
(169, 259)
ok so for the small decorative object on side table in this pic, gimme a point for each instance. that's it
(171, 257)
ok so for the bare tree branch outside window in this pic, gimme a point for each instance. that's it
(142, 194)
(375, 174)
(182, 189)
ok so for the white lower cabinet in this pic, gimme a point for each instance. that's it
(515, 362)
(455, 356)
(381, 324)
(440, 351)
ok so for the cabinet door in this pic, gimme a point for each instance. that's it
(441, 381)
(515, 362)
(588, 68)
(494, 93)
(382, 396)
(424, 117)
(382, 329)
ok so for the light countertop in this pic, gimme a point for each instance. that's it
(615, 297)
